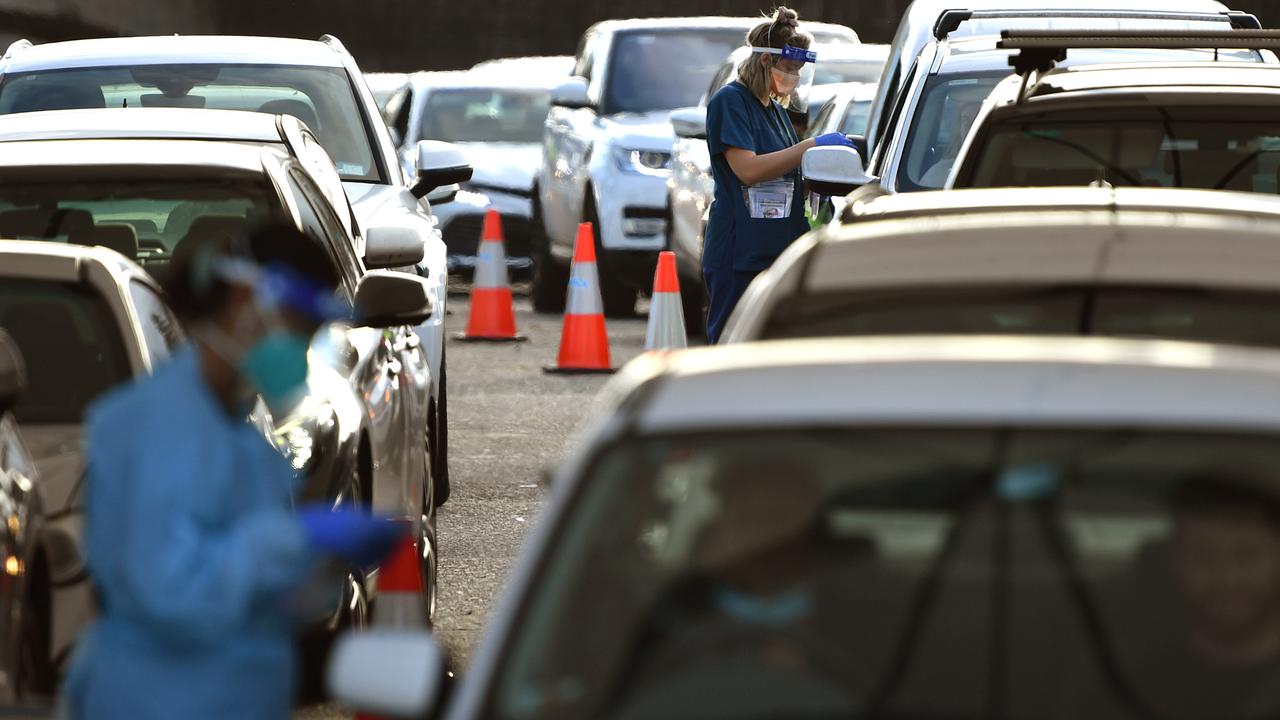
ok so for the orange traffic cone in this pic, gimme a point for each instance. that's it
(666, 312)
(492, 317)
(584, 343)
(400, 598)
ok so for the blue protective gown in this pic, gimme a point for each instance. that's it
(193, 548)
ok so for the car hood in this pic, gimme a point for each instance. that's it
(503, 165)
(640, 131)
(58, 453)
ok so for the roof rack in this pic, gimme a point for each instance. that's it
(1042, 49)
(951, 20)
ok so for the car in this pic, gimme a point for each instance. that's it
(561, 65)
(315, 81)
(1206, 125)
(946, 88)
(496, 118)
(607, 146)
(359, 436)
(385, 87)
(24, 638)
(854, 538)
(928, 20)
(1127, 262)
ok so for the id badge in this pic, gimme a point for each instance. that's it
(770, 200)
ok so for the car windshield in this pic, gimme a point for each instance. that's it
(855, 119)
(946, 111)
(868, 572)
(485, 115)
(144, 220)
(70, 342)
(1193, 147)
(664, 70)
(322, 97)
(1243, 318)
(842, 71)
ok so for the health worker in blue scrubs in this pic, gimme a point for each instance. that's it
(759, 204)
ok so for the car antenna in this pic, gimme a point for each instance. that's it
(125, 103)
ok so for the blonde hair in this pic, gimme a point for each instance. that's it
(782, 29)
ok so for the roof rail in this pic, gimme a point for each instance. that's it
(950, 21)
(333, 42)
(17, 46)
(1042, 49)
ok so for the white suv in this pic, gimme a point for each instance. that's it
(607, 147)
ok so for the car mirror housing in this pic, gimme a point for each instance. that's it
(439, 164)
(386, 298)
(396, 673)
(690, 123)
(13, 372)
(834, 170)
(392, 246)
(571, 93)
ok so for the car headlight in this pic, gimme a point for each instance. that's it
(643, 162)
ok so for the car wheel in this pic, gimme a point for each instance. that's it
(619, 300)
(440, 448)
(693, 296)
(427, 544)
(550, 280)
(34, 673)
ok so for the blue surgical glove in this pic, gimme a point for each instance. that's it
(349, 534)
(834, 138)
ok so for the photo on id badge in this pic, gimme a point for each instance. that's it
(770, 200)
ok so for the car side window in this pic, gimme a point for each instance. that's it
(318, 220)
(586, 57)
(819, 124)
(161, 332)
(887, 130)
(323, 170)
(405, 109)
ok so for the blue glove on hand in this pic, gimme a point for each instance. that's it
(349, 534)
(834, 138)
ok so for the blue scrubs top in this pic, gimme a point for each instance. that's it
(735, 240)
(195, 552)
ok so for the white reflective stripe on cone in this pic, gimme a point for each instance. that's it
(399, 610)
(666, 323)
(584, 291)
(491, 266)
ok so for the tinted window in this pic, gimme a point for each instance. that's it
(160, 329)
(1211, 148)
(882, 573)
(321, 97)
(485, 115)
(318, 220)
(71, 343)
(142, 219)
(855, 120)
(664, 70)
(1245, 318)
(945, 113)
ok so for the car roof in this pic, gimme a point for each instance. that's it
(193, 49)
(1163, 76)
(159, 158)
(141, 123)
(62, 262)
(946, 381)
(707, 22)
(505, 77)
(980, 54)
(845, 52)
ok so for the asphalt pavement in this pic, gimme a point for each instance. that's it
(508, 423)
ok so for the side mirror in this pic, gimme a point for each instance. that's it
(392, 246)
(834, 170)
(860, 144)
(13, 372)
(443, 194)
(386, 298)
(571, 93)
(396, 673)
(690, 123)
(439, 163)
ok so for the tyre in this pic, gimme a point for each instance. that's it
(619, 299)
(550, 280)
(693, 295)
(34, 669)
(427, 544)
(439, 430)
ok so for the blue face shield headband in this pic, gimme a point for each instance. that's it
(278, 286)
(787, 52)
(792, 85)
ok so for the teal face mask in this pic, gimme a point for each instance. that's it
(276, 366)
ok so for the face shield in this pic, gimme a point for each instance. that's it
(791, 73)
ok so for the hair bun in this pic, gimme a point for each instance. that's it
(786, 17)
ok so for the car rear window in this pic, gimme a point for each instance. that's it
(1243, 318)
(71, 343)
(322, 97)
(908, 573)
(485, 115)
(1220, 148)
